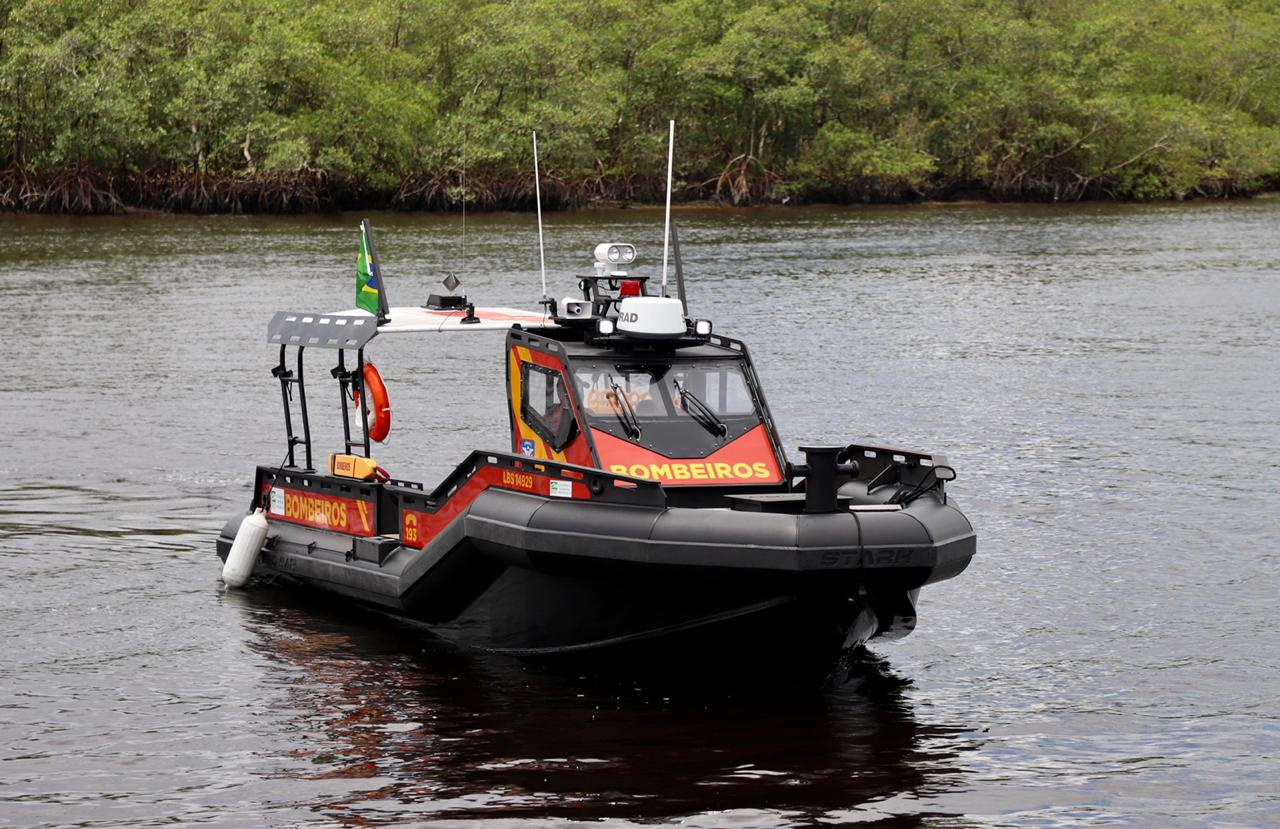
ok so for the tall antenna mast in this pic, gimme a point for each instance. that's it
(666, 229)
(464, 194)
(537, 190)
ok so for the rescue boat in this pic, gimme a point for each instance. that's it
(644, 517)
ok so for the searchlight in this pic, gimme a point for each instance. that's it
(615, 253)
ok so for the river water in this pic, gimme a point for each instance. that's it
(1104, 379)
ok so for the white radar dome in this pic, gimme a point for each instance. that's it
(651, 317)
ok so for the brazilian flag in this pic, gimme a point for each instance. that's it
(368, 281)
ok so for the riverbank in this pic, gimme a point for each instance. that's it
(91, 193)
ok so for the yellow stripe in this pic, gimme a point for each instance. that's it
(523, 431)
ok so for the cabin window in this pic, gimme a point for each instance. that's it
(726, 392)
(679, 407)
(544, 405)
(653, 390)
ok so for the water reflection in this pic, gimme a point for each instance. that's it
(417, 727)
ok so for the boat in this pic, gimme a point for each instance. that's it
(644, 518)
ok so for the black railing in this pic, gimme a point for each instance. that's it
(916, 472)
(288, 380)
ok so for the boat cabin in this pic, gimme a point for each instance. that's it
(684, 413)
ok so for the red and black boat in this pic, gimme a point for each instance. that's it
(645, 515)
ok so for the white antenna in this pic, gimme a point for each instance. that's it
(464, 194)
(537, 189)
(666, 230)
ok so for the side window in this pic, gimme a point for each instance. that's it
(544, 405)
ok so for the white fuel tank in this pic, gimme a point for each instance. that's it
(244, 550)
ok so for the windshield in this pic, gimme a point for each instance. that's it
(679, 408)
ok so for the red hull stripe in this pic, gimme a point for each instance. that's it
(418, 527)
(350, 516)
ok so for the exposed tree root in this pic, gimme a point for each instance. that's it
(743, 181)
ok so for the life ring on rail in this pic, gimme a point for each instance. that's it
(381, 425)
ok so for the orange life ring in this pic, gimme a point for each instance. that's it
(381, 426)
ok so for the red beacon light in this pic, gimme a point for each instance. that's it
(629, 287)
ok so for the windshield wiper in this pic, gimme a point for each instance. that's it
(622, 408)
(700, 411)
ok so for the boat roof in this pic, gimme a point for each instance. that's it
(354, 328)
(412, 319)
(625, 351)
(575, 347)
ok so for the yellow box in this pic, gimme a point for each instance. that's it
(352, 466)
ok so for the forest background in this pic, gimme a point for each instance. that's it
(282, 105)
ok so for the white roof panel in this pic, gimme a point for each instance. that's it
(405, 319)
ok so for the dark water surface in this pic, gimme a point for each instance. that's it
(1106, 381)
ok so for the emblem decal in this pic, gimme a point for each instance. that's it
(526, 448)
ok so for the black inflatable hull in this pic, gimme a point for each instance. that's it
(680, 593)
(704, 634)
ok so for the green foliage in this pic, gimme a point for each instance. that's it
(850, 164)
(297, 104)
